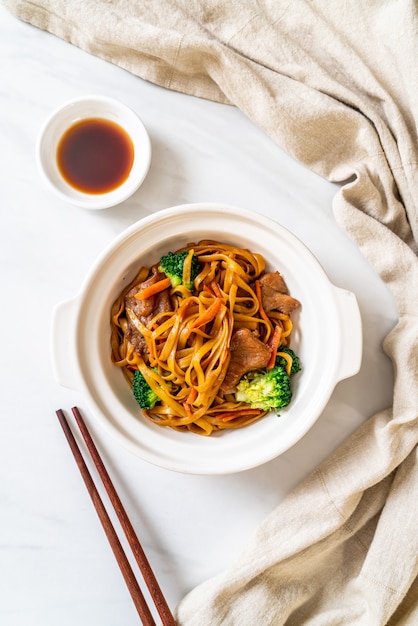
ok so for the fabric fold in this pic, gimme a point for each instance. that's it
(334, 84)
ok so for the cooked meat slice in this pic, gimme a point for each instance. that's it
(248, 353)
(136, 339)
(284, 304)
(146, 309)
(275, 295)
(273, 281)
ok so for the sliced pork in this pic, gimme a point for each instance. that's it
(145, 310)
(275, 295)
(248, 353)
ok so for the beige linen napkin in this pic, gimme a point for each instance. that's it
(336, 85)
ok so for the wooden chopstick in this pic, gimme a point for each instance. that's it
(137, 550)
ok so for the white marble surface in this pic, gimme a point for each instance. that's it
(56, 566)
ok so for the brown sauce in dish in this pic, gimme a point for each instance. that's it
(95, 155)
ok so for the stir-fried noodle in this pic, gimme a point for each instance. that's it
(180, 339)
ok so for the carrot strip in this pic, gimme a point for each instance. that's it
(188, 410)
(260, 303)
(208, 315)
(184, 309)
(274, 344)
(207, 289)
(216, 289)
(230, 415)
(153, 289)
(192, 396)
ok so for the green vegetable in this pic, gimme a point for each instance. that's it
(296, 366)
(144, 395)
(268, 389)
(172, 266)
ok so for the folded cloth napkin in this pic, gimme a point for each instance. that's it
(336, 85)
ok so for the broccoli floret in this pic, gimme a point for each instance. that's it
(296, 366)
(144, 395)
(172, 266)
(269, 389)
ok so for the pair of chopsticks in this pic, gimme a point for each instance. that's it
(137, 550)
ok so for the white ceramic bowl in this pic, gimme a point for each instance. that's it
(86, 108)
(327, 336)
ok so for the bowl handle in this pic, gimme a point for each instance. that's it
(351, 332)
(63, 343)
